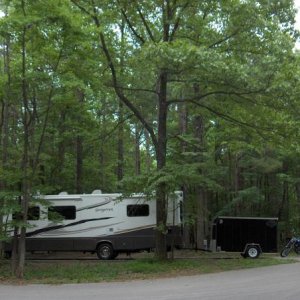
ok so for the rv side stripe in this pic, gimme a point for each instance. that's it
(94, 205)
(63, 226)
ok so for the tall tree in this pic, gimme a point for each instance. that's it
(230, 64)
(224, 47)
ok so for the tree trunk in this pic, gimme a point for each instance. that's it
(283, 211)
(14, 252)
(201, 193)
(161, 152)
(19, 272)
(238, 182)
(137, 156)
(4, 127)
(79, 165)
(201, 219)
(120, 166)
(4, 157)
(79, 150)
(102, 154)
(148, 153)
(183, 127)
(297, 188)
(56, 173)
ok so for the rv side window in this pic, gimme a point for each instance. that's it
(138, 210)
(61, 212)
(33, 213)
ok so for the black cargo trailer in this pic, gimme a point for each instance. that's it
(247, 235)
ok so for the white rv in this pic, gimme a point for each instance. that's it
(103, 223)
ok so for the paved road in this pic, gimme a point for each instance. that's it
(276, 283)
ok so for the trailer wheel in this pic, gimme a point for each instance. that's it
(252, 252)
(105, 251)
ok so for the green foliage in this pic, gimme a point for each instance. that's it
(246, 198)
(229, 63)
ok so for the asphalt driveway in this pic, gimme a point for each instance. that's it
(276, 282)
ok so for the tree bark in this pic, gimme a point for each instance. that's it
(201, 193)
(148, 153)
(4, 127)
(120, 166)
(19, 272)
(56, 172)
(161, 152)
(283, 211)
(79, 164)
(137, 156)
(297, 188)
(79, 150)
(238, 182)
(183, 128)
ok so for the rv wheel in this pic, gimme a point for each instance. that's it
(253, 252)
(105, 251)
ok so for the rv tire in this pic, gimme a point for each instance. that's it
(105, 251)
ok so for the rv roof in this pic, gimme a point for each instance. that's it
(63, 197)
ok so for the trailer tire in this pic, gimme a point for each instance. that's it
(105, 251)
(253, 251)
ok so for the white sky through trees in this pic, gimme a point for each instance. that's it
(297, 5)
(297, 25)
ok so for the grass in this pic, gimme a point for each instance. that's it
(53, 272)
